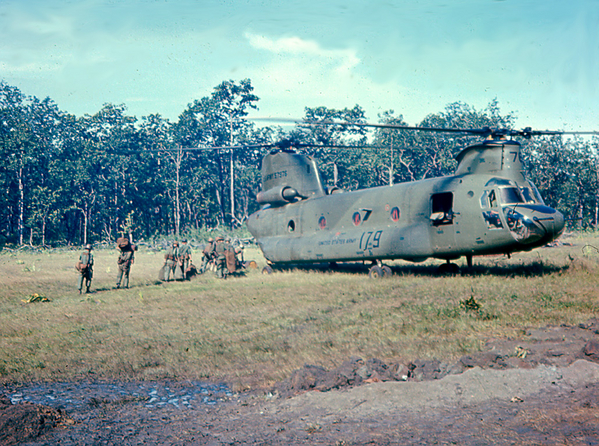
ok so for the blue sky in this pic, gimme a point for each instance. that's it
(540, 58)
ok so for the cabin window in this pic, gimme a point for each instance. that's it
(291, 226)
(322, 222)
(442, 209)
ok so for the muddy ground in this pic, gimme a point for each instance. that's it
(540, 389)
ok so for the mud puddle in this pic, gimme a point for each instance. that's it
(542, 388)
(82, 395)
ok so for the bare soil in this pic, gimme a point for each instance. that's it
(542, 388)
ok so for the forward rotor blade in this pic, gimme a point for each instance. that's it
(526, 132)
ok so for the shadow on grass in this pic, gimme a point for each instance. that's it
(533, 269)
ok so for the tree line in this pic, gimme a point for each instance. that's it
(70, 180)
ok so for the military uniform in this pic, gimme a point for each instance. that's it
(220, 249)
(170, 261)
(86, 260)
(125, 260)
(207, 254)
(184, 257)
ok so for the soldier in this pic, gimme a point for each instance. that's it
(170, 261)
(231, 256)
(207, 254)
(85, 266)
(125, 260)
(220, 249)
(184, 257)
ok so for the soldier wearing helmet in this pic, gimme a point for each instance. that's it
(171, 259)
(85, 266)
(220, 249)
(125, 260)
(184, 257)
(207, 254)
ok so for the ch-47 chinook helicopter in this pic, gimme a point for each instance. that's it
(486, 207)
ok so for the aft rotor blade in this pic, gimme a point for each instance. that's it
(527, 132)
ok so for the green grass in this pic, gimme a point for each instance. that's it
(256, 329)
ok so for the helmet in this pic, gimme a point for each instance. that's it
(228, 239)
(184, 240)
(219, 238)
(175, 243)
(88, 247)
(210, 239)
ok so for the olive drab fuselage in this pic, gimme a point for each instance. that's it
(486, 207)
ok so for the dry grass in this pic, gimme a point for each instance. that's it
(256, 329)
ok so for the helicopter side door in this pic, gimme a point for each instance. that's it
(442, 220)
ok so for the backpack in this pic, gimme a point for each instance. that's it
(82, 267)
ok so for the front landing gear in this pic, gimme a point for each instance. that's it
(267, 270)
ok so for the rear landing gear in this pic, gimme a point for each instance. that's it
(449, 268)
(375, 272)
(379, 271)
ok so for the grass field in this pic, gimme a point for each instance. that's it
(256, 329)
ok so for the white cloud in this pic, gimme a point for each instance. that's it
(300, 73)
(294, 46)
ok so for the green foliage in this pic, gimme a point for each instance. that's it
(470, 304)
(69, 180)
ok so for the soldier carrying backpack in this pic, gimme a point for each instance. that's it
(85, 266)
(125, 260)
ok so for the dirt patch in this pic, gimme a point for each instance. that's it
(22, 422)
(552, 346)
(540, 389)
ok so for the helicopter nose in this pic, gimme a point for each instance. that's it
(535, 224)
(556, 225)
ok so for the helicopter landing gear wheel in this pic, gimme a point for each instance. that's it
(376, 272)
(386, 271)
(267, 270)
(252, 264)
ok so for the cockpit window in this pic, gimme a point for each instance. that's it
(484, 199)
(498, 182)
(488, 199)
(535, 193)
(492, 199)
(510, 195)
(527, 194)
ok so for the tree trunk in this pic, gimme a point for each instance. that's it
(220, 193)
(177, 199)
(20, 225)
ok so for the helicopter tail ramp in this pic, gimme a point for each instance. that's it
(288, 176)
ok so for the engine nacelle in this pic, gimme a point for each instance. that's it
(277, 195)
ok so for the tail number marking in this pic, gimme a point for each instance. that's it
(370, 240)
